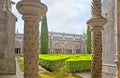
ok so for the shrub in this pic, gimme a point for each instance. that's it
(79, 64)
(74, 63)
(88, 41)
(44, 36)
(51, 63)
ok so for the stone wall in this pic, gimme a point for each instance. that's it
(1, 3)
(59, 43)
(7, 2)
(109, 39)
(7, 30)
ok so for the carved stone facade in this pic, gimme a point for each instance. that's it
(59, 43)
(7, 34)
(110, 38)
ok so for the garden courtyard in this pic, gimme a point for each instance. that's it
(102, 58)
(53, 66)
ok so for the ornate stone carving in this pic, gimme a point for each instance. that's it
(96, 25)
(31, 37)
(96, 8)
(32, 10)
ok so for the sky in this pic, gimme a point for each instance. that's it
(68, 16)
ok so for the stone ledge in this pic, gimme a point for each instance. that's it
(110, 65)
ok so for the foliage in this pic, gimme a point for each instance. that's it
(79, 64)
(88, 41)
(51, 62)
(44, 36)
(73, 62)
(62, 73)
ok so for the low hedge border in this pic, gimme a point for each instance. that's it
(73, 63)
(78, 66)
(51, 63)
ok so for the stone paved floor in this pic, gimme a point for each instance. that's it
(19, 74)
(84, 75)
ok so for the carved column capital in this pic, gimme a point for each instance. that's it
(97, 21)
(31, 7)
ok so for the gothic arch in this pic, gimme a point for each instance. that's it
(69, 47)
(57, 47)
(78, 48)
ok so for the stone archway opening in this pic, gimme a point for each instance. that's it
(57, 48)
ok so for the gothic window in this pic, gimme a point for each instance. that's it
(58, 45)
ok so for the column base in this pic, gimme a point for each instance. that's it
(7, 67)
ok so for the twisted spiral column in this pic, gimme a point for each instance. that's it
(31, 38)
(96, 23)
(96, 54)
(32, 11)
(96, 8)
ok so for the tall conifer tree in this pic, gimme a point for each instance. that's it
(44, 36)
(88, 41)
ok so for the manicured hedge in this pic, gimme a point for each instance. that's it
(73, 62)
(79, 64)
(51, 62)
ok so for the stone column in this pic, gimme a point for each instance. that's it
(32, 10)
(96, 23)
(117, 23)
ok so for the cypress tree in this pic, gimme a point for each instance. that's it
(44, 36)
(88, 41)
